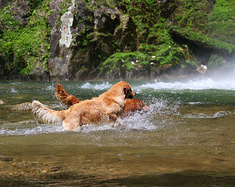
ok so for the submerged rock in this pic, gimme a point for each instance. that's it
(6, 158)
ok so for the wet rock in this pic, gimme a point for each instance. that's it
(161, 70)
(86, 36)
(4, 3)
(20, 11)
(202, 69)
(121, 73)
(3, 68)
(54, 169)
(1, 102)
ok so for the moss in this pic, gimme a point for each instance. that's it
(218, 60)
(23, 47)
(122, 60)
(209, 24)
(63, 8)
(127, 61)
(205, 41)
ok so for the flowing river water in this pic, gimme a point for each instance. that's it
(187, 138)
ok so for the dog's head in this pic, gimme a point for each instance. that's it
(132, 105)
(129, 94)
(122, 89)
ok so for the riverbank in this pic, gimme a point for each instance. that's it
(88, 40)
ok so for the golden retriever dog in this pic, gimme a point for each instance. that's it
(133, 105)
(102, 109)
(130, 105)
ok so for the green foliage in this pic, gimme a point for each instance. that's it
(120, 60)
(196, 20)
(199, 19)
(192, 14)
(24, 47)
(34, 4)
(8, 20)
(155, 45)
(201, 39)
(50, 12)
(168, 54)
(222, 10)
(218, 60)
(221, 21)
(215, 60)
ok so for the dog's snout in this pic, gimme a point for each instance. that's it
(133, 93)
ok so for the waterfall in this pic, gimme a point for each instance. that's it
(66, 23)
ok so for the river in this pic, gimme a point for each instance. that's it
(187, 138)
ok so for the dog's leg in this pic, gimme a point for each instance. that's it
(71, 123)
(119, 122)
(68, 125)
(115, 121)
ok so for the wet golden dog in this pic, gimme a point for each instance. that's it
(131, 105)
(102, 109)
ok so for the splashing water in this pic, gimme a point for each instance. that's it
(200, 84)
(165, 100)
(97, 86)
(189, 127)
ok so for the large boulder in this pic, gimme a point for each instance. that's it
(84, 36)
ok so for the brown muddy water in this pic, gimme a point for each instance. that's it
(187, 138)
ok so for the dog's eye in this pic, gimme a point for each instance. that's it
(126, 90)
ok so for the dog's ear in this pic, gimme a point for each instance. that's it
(126, 90)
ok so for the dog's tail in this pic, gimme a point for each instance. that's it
(47, 115)
(67, 99)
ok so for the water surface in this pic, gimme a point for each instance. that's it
(187, 138)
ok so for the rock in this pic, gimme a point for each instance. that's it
(1, 102)
(125, 35)
(6, 158)
(3, 69)
(20, 11)
(161, 70)
(86, 36)
(202, 69)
